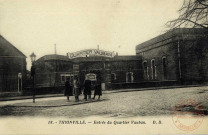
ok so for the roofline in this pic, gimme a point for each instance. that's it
(172, 33)
(14, 46)
(53, 55)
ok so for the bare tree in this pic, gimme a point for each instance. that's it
(193, 13)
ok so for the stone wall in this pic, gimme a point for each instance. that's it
(194, 58)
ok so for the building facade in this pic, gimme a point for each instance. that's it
(12, 67)
(178, 55)
(53, 70)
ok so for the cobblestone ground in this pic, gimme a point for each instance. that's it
(122, 104)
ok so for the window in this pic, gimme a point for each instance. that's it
(19, 82)
(145, 68)
(64, 77)
(129, 77)
(153, 67)
(113, 77)
(164, 66)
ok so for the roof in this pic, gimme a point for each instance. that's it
(125, 57)
(52, 57)
(85, 59)
(170, 34)
(8, 49)
(55, 57)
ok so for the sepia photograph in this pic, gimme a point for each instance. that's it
(103, 67)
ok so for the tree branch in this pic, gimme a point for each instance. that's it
(199, 1)
(192, 12)
(194, 23)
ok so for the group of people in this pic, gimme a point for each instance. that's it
(73, 87)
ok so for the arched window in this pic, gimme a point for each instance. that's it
(129, 77)
(153, 67)
(145, 69)
(164, 66)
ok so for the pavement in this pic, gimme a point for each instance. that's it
(105, 92)
(54, 103)
(49, 102)
(155, 102)
(58, 100)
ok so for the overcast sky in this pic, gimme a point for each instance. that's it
(73, 25)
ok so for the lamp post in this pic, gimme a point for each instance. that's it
(33, 56)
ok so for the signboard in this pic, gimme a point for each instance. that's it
(76, 67)
(91, 52)
(90, 76)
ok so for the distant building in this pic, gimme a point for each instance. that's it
(12, 67)
(50, 69)
(53, 70)
(180, 55)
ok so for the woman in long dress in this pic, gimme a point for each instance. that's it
(68, 89)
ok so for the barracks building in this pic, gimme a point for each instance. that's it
(53, 70)
(176, 57)
(180, 55)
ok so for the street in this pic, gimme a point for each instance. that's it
(112, 104)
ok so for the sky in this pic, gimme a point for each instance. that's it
(74, 25)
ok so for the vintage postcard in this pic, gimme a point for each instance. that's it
(103, 67)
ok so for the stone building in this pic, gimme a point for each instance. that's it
(53, 70)
(49, 69)
(12, 67)
(178, 55)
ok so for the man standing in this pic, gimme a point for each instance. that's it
(87, 89)
(98, 90)
(76, 85)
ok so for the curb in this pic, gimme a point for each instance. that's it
(154, 88)
(31, 97)
(73, 104)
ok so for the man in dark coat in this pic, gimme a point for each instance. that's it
(98, 90)
(68, 89)
(87, 89)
